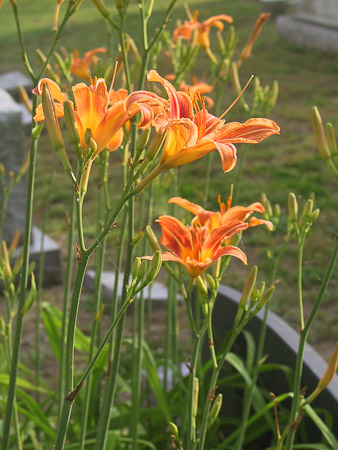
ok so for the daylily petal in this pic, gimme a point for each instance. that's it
(114, 119)
(180, 135)
(116, 141)
(175, 236)
(230, 250)
(202, 214)
(228, 155)
(220, 234)
(253, 222)
(53, 87)
(252, 131)
(184, 31)
(196, 268)
(217, 21)
(91, 104)
(40, 115)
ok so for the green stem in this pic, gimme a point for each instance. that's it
(40, 282)
(23, 289)
(299, 283)
(211, 338)
(66, 295)
(248, 397)
(212, 387)
(99, 263)
(301, 347)
(190, 436)
(112, 376)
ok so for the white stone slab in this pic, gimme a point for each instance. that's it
(12, 80)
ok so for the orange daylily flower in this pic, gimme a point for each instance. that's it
(227, 214)
(92, 111)
(81, 66)
(196, 248)
(201, 29)
(192, 132)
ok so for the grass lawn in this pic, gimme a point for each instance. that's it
(285, 163)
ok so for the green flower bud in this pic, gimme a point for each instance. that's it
(246, 293)
(265, 298)
(201, 285)
(173, 429)
(155, 266)
(195, 397)
(320, 136)
(293, 207)
(71, 123)
(142, 271)
(31, 297)
(154, 244)
(142, 141)
(211, 282)
(135, 268)
(215, 409)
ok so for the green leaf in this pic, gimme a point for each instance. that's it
(20, 382)
(328, 435)
(154, 381)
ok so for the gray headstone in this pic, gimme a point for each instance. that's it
(315, 24)
(12, 80)
(12, 155)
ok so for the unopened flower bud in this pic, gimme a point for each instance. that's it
(320, 136)
(142, 271)
(87, 136)
(135, 268)
(154, 244)
(293, 207)
(272, 99)
(265, 298)
(246, 293)
(215, 409)
(173, 430)
(315, 214)
(230, 38)
(328, 375)
(32, 295)
(220, 42)
(277, 211)
(267, 206)
(5, 259)
(153, 150)
(53, 127)
(11, 174)
(155, 266)
(195, 397)
(211, 282)
(2, 169)
(71, 123)
(92, 145)
(201, 285)
(137, 239)
(142, 141)
(101, 7)
(25, 99)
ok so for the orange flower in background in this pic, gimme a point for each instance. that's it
(192, 132)
(81, 66)
(93, 111)
(196, 248)
(199, 31)
(225, 216)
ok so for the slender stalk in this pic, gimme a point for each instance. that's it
(66, 295)
(248, 397)
(301, 347)
(299, 283)
(82, 265)
(22, 297)
(190, 436)
(212, 387)
(112, 378)
(99, 263)
(40, 282)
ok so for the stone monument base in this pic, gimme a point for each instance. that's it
(308, 31)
